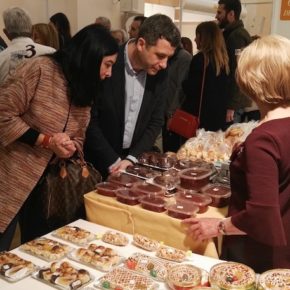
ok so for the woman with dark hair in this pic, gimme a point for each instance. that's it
(213, 59)
(45, 96)
(61, 23)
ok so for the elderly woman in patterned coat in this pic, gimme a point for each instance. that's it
(44, 96)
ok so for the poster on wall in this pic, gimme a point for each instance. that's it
(285, 10)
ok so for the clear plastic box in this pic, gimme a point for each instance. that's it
(198, 199)
(128, 196)
(219, 193)
(195, 178)
(123, 179)
(153, 202)
(142, 171)
(107, 188)
(182, 209)
(145, 188)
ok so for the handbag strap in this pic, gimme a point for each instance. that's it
(202, 83)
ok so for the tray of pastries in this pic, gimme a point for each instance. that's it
(74, 234)
(277, 279)
(115, 238)
(121, 278)
(149, 266)
(231, 275)
(63, 275)
(13, 268)
(46, 249)
(171, 254)
(97, 256)
(145, 243)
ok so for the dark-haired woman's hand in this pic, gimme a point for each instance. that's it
(62, 145)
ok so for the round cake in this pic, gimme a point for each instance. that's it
(278, 279)
(184, 277)
(231, 275)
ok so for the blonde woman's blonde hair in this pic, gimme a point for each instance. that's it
(212, 44)
(45, 34)
(263, 71)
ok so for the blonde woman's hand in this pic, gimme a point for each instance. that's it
(121, 165)
(202, 229)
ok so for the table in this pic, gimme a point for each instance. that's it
(30, 283)
(109, 212)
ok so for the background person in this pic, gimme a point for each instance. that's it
(18, 29)
(104, 21)
(135, 26)
(187, 44)
(62, 25)
(236, 38)
(257, 230)
(130, 110)
(36, 103)
(45, 34)
(212, 51)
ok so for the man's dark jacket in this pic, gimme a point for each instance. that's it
(236, 37)
(104, 137)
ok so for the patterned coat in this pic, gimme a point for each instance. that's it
(35, 97)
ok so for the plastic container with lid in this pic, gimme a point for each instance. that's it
(153, 202)
(167, 180)
(219, 193)
(182, 209)
(142, 171)
(123, 179)
(187, 163)
(146, 188)
(162, 161)
(200, 200)
(277, 279)
(128, 196)
(107, 188)
(195, 178)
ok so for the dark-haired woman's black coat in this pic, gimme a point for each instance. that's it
(215, 94)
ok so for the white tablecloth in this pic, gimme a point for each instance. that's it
(30, 283)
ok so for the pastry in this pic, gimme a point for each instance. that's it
(145, 243)
(171, 254)
(115, 238)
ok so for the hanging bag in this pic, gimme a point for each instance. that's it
(63, 188)
(183, 123)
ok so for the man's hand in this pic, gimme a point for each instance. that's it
(121, 165)
(230, 116)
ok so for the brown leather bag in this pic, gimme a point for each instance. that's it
(64, 185)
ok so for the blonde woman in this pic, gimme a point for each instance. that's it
(257, 228)
(213, 57)
(45, 34)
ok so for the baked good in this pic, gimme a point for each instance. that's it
(145, 243)
(171, 254)
(97, 256)
(121, 278)
(231, 275)
(64, 275)
(185, 277)
(47, 249)
(278, 279)
(74, 234)
(115, 238)
(13, 268)
(155, 268)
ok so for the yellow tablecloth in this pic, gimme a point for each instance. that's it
(107, 211)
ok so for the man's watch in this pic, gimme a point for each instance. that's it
(221, 228)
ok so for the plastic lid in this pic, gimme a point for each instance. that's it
(195, 198)
(155, 201)
(196, 173)
(183, 207)
(217, 190)
(148, 188)
(127, 193)
(123, 179)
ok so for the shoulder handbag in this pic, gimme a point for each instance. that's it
(63, 187)
(183, 123)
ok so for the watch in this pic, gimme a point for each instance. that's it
(221, 228)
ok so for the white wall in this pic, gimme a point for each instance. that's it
(278, 26)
